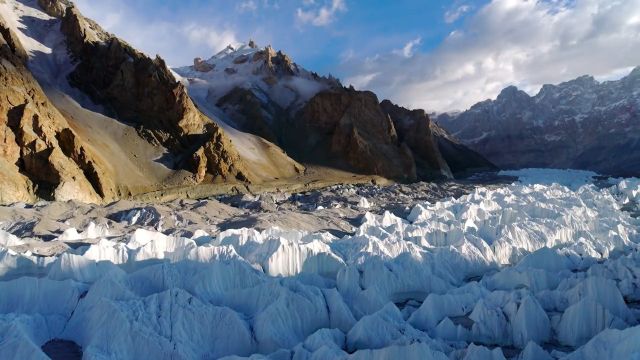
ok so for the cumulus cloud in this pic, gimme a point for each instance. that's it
(320, 15)
(212, 38)
(454, 14)
(361, 81)
(509, 42)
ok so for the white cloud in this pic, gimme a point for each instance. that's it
(247, 6)
(409, 48)
(178, 40)
(255, 6)
(454, 14)
(111, 20)
(510, 42)
(361, 81)
(320, 16)
(214, 39)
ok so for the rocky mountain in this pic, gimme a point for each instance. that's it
(582, 124)
(40, 155)
(315, 119)
(432, 146)
(85, 116)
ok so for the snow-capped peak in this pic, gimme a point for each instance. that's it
(235, 50)
(271, 75)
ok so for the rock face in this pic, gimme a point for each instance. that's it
(462, 161)
(580, 124)
(143, 91)
(414, 129)
(252, 115)
(349, 126)
(55, 8)
(40, 154)
(140, 132)
(200, 65)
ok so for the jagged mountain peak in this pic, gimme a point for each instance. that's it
(272, 75)
(314, 118)
(584, 82)
(264, 60)
(511, 92)
(635, 73)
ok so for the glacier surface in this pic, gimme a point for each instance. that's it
(524, 271)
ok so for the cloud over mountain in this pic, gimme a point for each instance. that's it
(526, 43)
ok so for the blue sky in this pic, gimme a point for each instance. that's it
(366, 26)
(433, 54)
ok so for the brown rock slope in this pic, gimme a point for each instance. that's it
(435, 150)
(142, 133)
(40, 155)
(347, 127)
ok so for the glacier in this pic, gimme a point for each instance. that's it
(529, 270)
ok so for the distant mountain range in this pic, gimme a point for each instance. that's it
(580, 124)
(85, 116)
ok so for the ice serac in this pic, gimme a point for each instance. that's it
(41, 155)
(499, 272)
(143, 91)
(579, 124)
(610, 344)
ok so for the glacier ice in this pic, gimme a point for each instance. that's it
(528, 270)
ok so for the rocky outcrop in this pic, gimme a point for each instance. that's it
(132, 86)
(201, 65)
(274, 63)
(347, 127)
(414, 129)
(208, 160)
(40, 154)
(55, 8)
(254, 116)
(460, 159)
(581, 124)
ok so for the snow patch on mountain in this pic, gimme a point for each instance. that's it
(250, 67)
